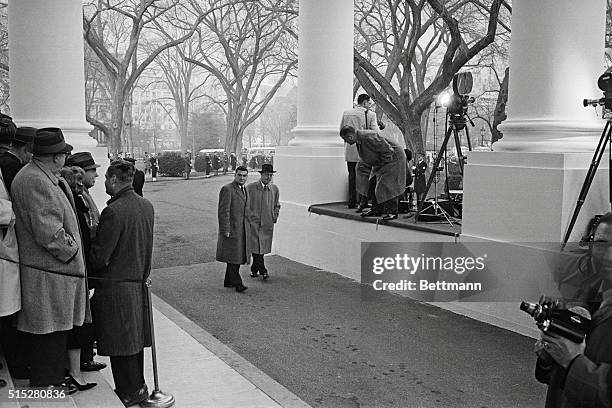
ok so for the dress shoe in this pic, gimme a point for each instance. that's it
(241, 288)
(265, 275)
(389, 217)
(69, 388)
(137, 397)
(371, 213)
(92, 366)
(253, 274)
(79, 387)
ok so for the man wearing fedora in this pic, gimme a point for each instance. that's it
(86, 161)
(263, 212)
(17, 156)
(53, 279)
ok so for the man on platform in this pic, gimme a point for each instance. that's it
(360, 117)
(232, 241)
(388, 162)
(264, 207)
(121, 254)
(53, 279)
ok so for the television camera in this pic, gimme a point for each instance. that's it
(552, 316)
(458, 104)
(605, 84)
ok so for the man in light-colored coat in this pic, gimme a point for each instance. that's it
(121, 256)
(264, 207)
(53, 281)
(388, 162)
(360, 117)
(232, 243)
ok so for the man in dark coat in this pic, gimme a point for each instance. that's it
(139, 176)
(233, 226)
(85, 161)
(388, 162)
(419, 178)
(121, 254)
(17, 156)
(264, 207)
(578, 374)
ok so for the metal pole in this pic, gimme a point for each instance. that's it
(158, 398)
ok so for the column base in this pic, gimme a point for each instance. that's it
(316, 136)
(549, 136)
(529, 197)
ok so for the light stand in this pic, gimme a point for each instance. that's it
(433, 208)
(457, 122)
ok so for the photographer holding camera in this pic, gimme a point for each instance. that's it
(580, 374)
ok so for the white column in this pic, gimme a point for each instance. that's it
(325, 71)
(47, 72)
(556, 57)
(526, 190)
(312, 169)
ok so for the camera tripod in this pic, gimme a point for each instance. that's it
(456, 123)
(605, 139)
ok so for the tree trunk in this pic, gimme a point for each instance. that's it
(500, 109)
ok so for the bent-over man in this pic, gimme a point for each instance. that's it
(388, 162)
(121, 255)
(264, 207)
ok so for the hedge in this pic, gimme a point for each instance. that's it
(171, 164)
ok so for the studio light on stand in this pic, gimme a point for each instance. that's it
(432, 211)
(457, 119)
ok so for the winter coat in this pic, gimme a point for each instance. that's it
(53, 282)
(122, 250)
(233, 218)
(10, 287)
(264, 207)
(388, 162)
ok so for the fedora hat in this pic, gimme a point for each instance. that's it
(7, 129)
(267, 168)
(50, 141)
(25, 134)
(83, 160)
(130, 159)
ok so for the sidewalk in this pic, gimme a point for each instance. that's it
(199, 371)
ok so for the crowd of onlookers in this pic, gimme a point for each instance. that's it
(71, 276)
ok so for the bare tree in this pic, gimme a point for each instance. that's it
(407, 52)
(178, 75)
(114, 29)
(249, 48)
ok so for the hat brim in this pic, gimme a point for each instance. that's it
(91, 167)
(36, 149)
(262, 172)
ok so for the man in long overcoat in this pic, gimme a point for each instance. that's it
(388, 162)
(121, 256)
(53, 281)
(264, 207)
(233, 226)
